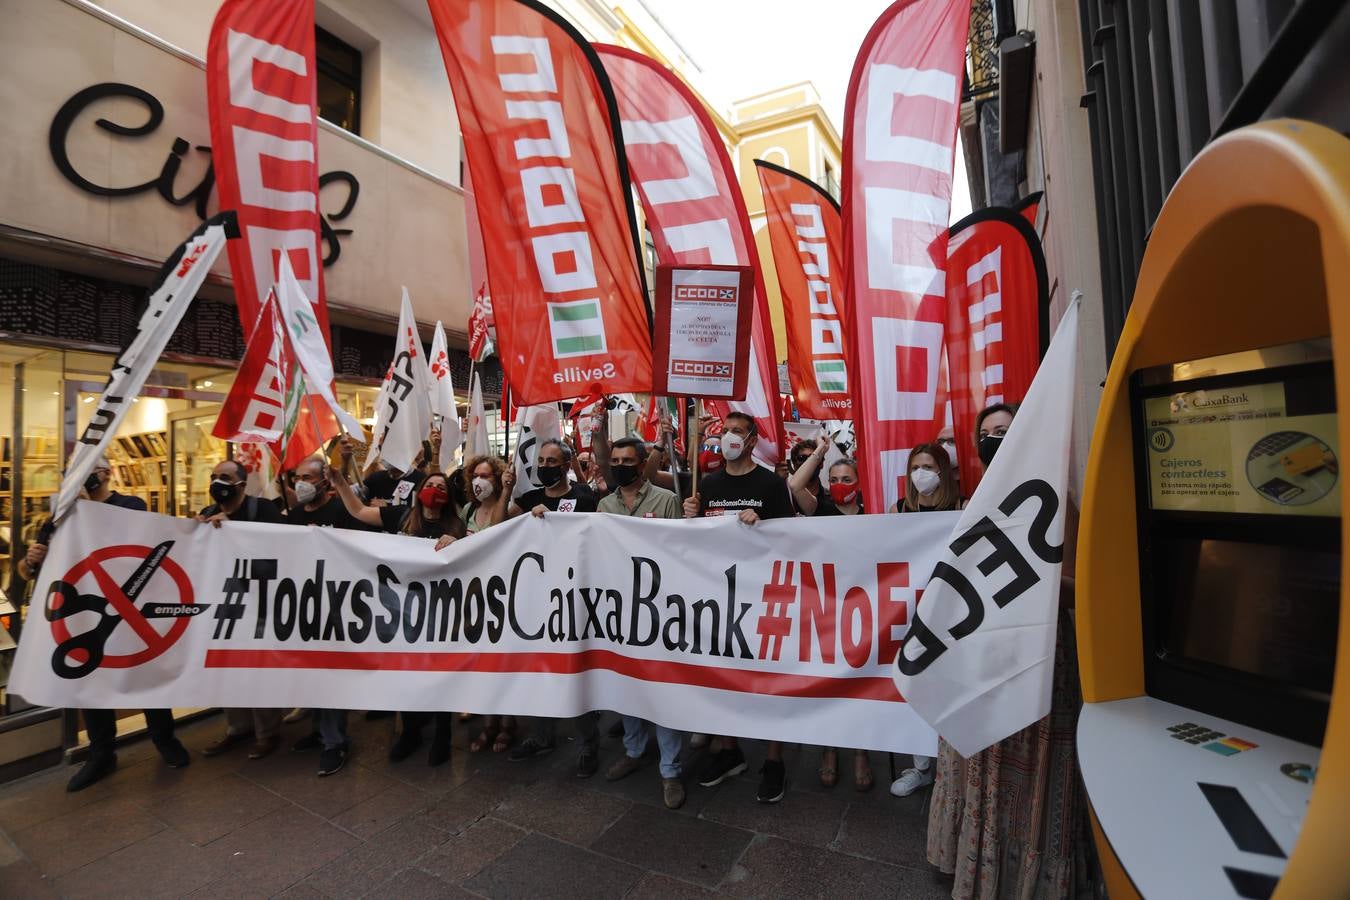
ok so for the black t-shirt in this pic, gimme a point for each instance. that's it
(332, 514)
(394, 517)
(579, 498)
(126, 502)
(722, 493)
(383, 485)
(825, 506)
(253, 509)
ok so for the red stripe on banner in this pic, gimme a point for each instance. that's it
(776, 684)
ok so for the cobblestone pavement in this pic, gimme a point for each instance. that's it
(478, 826)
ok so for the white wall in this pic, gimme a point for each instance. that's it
(406, 106)
(1059, 162)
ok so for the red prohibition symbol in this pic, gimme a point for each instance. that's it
(80, 654)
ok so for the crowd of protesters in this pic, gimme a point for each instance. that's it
(967, 834)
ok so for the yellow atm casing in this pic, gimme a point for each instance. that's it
(1251, 249)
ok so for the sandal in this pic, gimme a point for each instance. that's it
(862, 780)
(478, 743)
(503, 741)
(829, 771)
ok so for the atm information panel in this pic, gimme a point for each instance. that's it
(1239, 481)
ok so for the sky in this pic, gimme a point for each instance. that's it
(745, 47)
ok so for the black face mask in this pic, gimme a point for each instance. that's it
(223, 491)
(93, 482)
(624, 475)
(988, 446)
(549, 475)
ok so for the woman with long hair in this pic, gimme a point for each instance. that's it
(845, 499)
(432, 514)
(490, 484)
(930, 486)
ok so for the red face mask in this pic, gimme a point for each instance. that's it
(709, 461)
(843, 494)
(433, 496)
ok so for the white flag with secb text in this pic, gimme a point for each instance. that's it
(978, 661)
(442, 387)
(407, 404)
(311, 349)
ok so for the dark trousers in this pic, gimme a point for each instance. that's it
(416, 721)
(101, 724)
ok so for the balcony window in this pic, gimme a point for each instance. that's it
(339, 78)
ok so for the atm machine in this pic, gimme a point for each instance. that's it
(1214, 739)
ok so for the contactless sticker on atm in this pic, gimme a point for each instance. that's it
(1242, 450)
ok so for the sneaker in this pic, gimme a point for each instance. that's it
(623, 767)
(295, 715)
(94, 769)
(772, 781)
(307, 743)
(264, 747)
(332, 759)
(911, 780)
(406, 743)
(588, 763)
(174, 754)
(697, 739)
(217, 747)
(724, 764)
(672, 792)
(529, 749)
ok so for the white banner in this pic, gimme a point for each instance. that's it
(406, 405)
(309, 343)
(172, 293)
(441, 385)
(476, 432)
(535, 424)
(979, 662)
(784, 630)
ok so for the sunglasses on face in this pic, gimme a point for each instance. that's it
(714, 448)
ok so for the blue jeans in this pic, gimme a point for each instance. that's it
(636, 735)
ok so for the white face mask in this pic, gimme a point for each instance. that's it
(305, 492)
(483, 488)
(926, 481)
(733, 445)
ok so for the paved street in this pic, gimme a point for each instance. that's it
(478, 826)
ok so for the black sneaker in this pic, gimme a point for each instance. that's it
(588, 763)
(174, 754)
(772, 782)
(309, 742)
(724, 764)
(529, 749)
(332, 760)
(94, 769)
(403, 747)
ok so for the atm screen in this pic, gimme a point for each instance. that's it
(1265, 610)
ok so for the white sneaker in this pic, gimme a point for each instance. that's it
(697, 739)
(911, 780)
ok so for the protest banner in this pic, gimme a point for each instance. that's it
(978, 662)
(784, 630)
(703, 320)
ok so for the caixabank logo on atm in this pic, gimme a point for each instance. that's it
(95, 620)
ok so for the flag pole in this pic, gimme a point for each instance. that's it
(695, 440)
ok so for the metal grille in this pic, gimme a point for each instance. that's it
(982, 51)
(1164, 77)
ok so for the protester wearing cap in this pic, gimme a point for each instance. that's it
(231, 504)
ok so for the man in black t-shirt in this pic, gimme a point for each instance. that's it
(317, 502)
(101, 724)
(751, 492)
(557, 495)
(228, 480)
